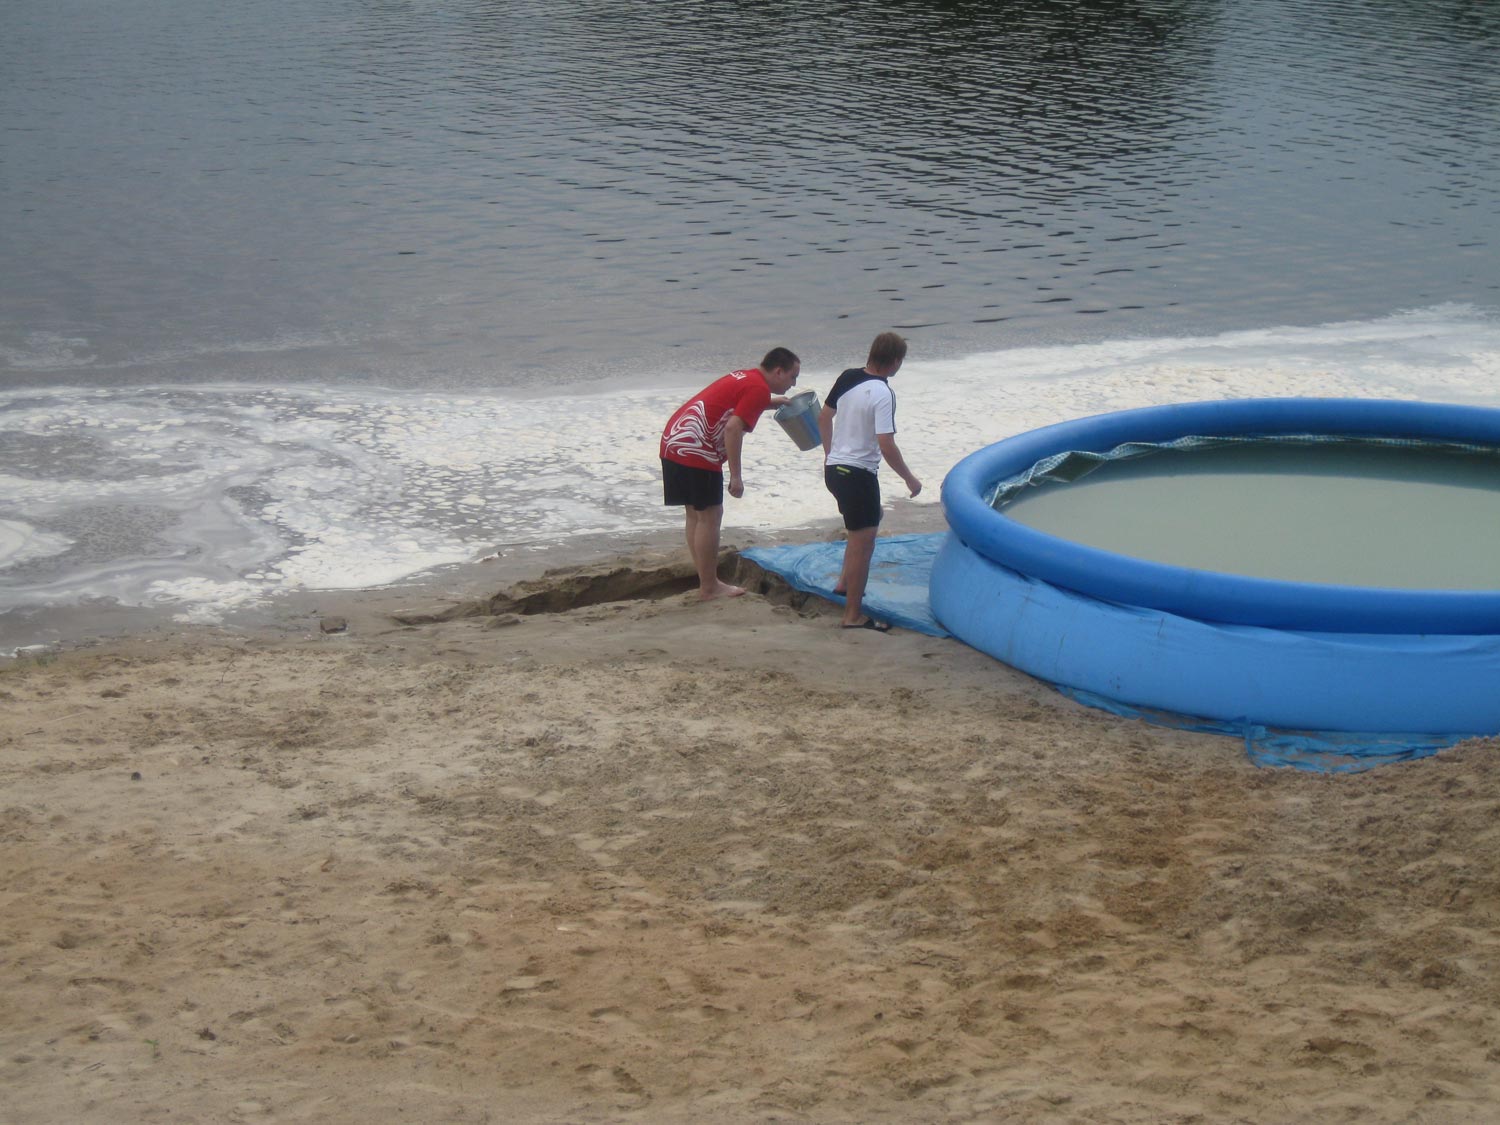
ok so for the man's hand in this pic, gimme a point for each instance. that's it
(915, 485)
(737, 487)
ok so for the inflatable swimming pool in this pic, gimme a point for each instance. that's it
(1239, 648)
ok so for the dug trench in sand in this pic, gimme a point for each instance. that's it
(653, 860)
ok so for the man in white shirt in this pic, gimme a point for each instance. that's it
(858, 425)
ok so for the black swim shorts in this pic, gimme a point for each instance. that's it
(690, 487)
(858, 494)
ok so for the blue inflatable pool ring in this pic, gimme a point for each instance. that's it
(1234, 648)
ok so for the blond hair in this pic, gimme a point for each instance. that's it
(888, 348)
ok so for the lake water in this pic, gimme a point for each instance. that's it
(320, 293)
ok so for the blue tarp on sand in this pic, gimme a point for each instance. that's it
(897, 592)
(899, 572)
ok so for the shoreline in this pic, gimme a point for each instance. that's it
(81, 627)
(377, 486)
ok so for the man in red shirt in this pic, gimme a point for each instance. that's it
(704, 433)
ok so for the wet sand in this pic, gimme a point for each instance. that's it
(582, 859)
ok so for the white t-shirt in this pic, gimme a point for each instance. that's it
(860, 414)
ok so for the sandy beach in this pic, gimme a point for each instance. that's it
(591, 851)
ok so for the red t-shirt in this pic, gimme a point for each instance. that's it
(695, 434)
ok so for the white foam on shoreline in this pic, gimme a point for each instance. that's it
(20, 542)
(206, 498)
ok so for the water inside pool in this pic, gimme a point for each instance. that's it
(1346, 513)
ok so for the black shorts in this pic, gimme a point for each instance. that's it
(858, 494)
(690, 487)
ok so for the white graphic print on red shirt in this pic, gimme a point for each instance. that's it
(695, 434)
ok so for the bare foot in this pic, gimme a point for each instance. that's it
(722, 590)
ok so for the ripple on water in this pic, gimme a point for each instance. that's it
(547, 195)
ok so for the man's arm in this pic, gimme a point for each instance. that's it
(894, 459)
(734, 440)
(825, 429)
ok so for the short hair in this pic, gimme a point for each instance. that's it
(887, 348)
(779, 359)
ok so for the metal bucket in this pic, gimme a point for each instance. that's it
(799, 418)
